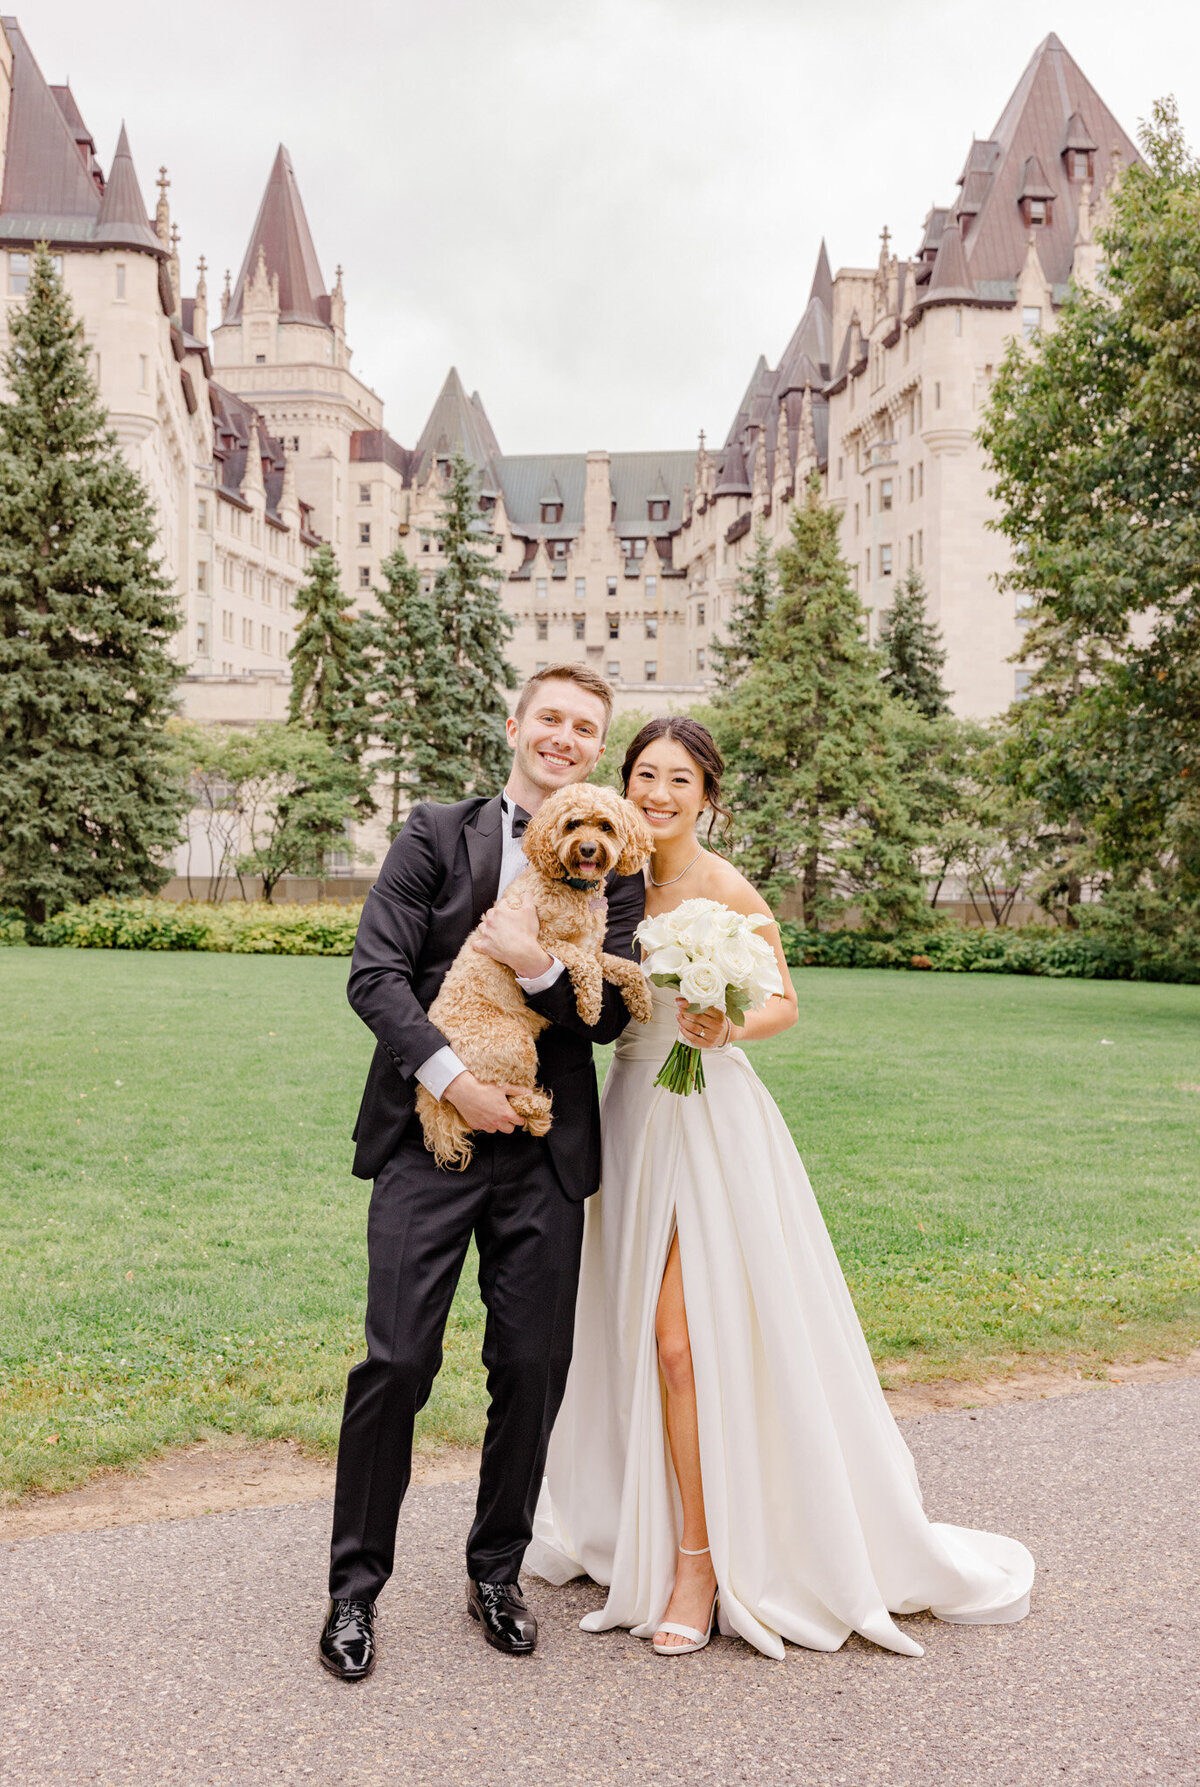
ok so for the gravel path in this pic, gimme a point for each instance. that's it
(183, 1651)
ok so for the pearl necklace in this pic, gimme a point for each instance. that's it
(674, 878)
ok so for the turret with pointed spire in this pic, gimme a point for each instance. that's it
(122, 222)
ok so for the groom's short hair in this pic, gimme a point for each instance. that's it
(581, 674)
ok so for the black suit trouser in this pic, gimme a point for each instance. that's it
(421, 1220)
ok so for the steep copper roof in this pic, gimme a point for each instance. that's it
(732, 479)
(949, 283)
(281, 231)
(634, 478)
(46, 178)
(458, 424)
(233, 421)
(123, 222)
(1025, 152)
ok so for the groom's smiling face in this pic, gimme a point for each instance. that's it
(559, 737)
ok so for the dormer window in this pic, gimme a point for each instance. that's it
(558, 549)
(443, 468)
(1079, 164)
(552, 512)
(659, 507)
(1038, 210)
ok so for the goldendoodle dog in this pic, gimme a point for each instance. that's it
(578, 835)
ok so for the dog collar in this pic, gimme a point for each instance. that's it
(582, 883)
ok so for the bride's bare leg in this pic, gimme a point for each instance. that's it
(695, 1581)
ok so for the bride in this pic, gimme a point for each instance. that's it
(724, 1445)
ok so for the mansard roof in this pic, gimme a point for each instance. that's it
(123, 222)
(458, 424)
(281, 231)
(633, 479)
(233, 420)
(1022, 159)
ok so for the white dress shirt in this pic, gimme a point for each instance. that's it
(443, 1065)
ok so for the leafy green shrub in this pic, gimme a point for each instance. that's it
(1033, 949)
(12, 928)
(126, 924)
(253, 927)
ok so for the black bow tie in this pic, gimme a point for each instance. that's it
(520, 819)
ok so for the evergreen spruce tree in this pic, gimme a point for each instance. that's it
(323, 657)
(466, 593)
(815, 779)
(755, 593)
(411, 694)
(912, 649)
(90, 802)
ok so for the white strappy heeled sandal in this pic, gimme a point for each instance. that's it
(696, 1639)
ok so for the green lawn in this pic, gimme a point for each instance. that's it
(182, 1246)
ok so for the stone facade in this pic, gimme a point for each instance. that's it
(265, 441)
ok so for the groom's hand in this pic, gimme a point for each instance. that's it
(482, 1105)
(509, 934)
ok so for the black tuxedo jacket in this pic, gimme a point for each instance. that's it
(438, 879)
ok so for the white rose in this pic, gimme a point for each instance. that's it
(732, 956)
(702, 984)
(670, 959)
(655, 933)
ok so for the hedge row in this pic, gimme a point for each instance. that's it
(327, 928)
(1034, 949)
(252, 927)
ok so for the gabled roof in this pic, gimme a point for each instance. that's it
(633, 479)
(1077, 134)
(123, 222)
(281, 231)
(551, 490)
(458, 424)
(1023, 153)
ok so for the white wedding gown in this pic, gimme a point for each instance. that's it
(811, 1496)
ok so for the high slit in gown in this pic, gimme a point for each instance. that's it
(814, 1511)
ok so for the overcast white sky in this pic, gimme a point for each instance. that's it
(601, 211)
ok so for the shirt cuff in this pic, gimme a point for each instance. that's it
(436, 1073)
(541, 982)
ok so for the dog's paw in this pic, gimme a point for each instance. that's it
(637, 998)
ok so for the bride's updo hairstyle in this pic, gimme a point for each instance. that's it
(700, 746)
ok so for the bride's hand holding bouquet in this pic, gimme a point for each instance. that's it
(712, 955)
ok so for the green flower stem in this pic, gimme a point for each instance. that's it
(682, 1071)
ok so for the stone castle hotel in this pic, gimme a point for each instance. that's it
(258, 440)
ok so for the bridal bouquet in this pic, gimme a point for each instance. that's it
(714, 958)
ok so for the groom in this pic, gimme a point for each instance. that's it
(521, 1197)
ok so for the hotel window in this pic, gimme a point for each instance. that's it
(659, 507)
(841, 464)
(937, 396)
(581, 589)
(700, 658)
(910, 549)
(1039, 211)
(579, 624)
(856, 517)
(958, 320)
(1031, 321)
(364, 533)
(920, 477)
(652, 626)
(294, 443)
(614, 626)
(364, 577)
(247, 586)
(912, 482)
(868, 564)
(364, 493)
(260, 359)
(1021, 682)
(227, 573)
(611, 586)
(920, 546)
(699, 614)
(18, 273)
(202, 513)
(266, 639)
(1081, 164)
(540, 589)
(652, 589)
(868, 502)
(634, 548)
(202, 578)
(885, 561)
(202, 639)
(226, 623)
(542, 627)
(120, 270)
(614, 669)
(552, 512)
(885, 494)
(247, 632)
(651, 670)
(1025, 608)
(558, 549)
(143, 371)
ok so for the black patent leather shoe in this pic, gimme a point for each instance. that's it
(347, 1643)
(501, 1611)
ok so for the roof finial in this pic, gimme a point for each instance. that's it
(225, 297)
(885, 236)
(162, 211)
(201, 269)
(702, 440)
